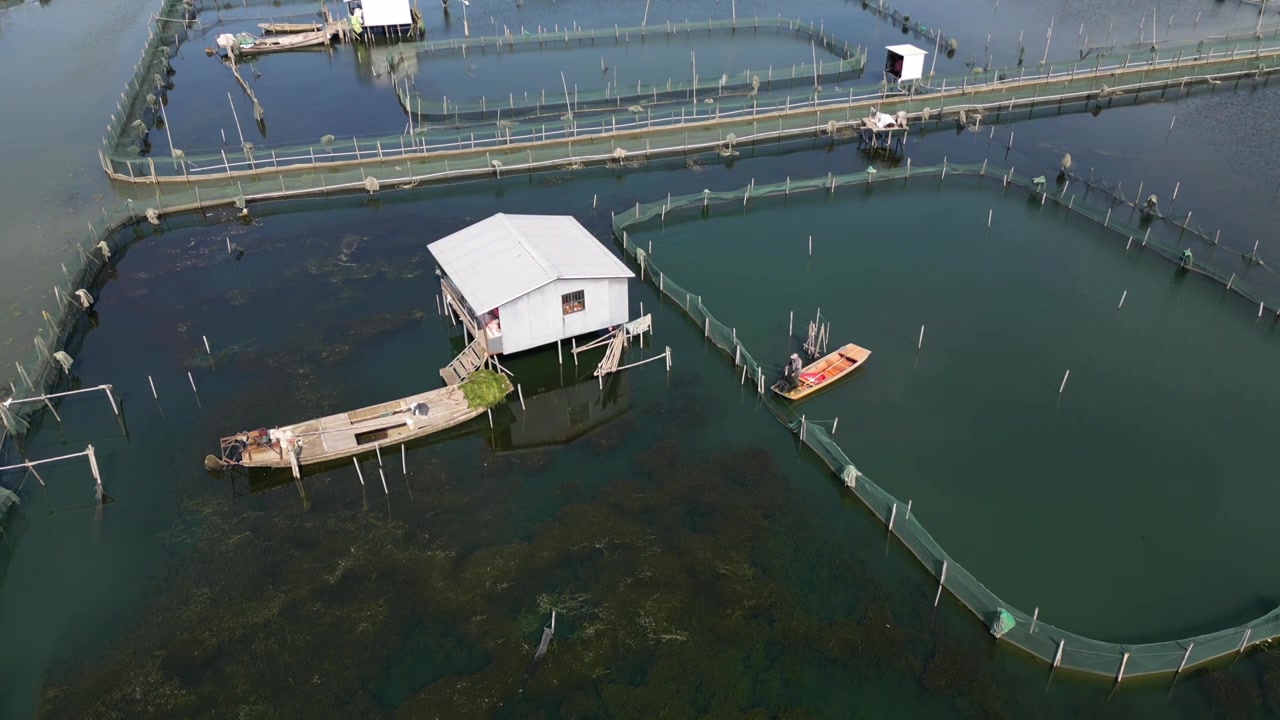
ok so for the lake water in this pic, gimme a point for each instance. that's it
(1027, 489)
(683, 536)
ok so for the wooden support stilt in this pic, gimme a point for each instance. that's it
(359, 472)
(1185, 656)
(942, 580)
(404, 461)
(93, 468)
(1123, 662)
(115, 408)
(55, 412)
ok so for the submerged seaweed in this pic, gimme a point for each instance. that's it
(671, 585)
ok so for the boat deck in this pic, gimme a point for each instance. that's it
(337, 436)
(824, 372)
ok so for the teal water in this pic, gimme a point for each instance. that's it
(295, 88)
(702, 564)
(683, 523)
(1082, 503)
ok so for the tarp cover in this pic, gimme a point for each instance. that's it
(1003, 623)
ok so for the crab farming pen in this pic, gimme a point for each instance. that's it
(1105, 208)
(742, 114)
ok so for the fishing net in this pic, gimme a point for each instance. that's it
(520, 132)
(8, 498)
(1092, 202)
(640, 98)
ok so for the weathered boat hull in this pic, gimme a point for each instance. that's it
(286, 28)
(283, 43)
(825, 372)
(350, 433)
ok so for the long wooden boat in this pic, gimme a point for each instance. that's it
(280, 43)
(286, 28)
(825, 371)
(349, 433)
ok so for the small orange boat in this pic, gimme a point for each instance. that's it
(824, 372)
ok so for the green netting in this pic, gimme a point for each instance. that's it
(7, 499)
(425, 153)
(851, 62)
(1096, 205)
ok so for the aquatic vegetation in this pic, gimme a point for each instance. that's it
(1230, 690)
(653, 578)
(485, 388)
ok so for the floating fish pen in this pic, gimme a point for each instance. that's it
(1058, 647)
(425, 154)
(849, 63)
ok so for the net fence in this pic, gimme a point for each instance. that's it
(1097, 205)
(850, 63)
(471, 146)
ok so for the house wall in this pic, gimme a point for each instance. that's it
(380, 13)
(912, 67)
(538, 318)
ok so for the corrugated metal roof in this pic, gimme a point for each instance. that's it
(505, 256)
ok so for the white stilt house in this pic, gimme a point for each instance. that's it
(903, 63)
(390, 18)
(522, 281)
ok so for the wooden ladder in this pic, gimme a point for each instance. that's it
(612, 353)
(467, 362)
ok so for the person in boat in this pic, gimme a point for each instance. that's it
(791, 373)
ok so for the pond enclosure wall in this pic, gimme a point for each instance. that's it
(474, 146)
(339, 166)
(1054, 645)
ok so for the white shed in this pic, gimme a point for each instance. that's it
(383, 14)
(904, 62)
(522, 281)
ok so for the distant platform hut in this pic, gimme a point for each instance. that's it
(903, 64)
(382, 18)
(518, 282)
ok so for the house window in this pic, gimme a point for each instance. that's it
(573, 302)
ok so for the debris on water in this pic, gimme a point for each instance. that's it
(548, 631)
